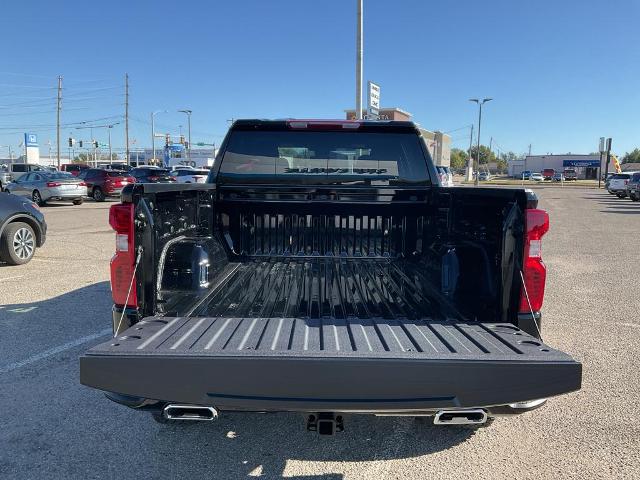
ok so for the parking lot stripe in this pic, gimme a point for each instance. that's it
(53, 351)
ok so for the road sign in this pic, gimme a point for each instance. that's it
(31, 139)
(602, 147)
(373, 100)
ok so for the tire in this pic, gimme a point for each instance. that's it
(634, 197)
(78, 201)
(37, 198)
(18, 243)
(98, 194)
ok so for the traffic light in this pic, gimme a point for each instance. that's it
(95, 144)
(80, 143)
(71, 142)
(167, 139)
(181, 139)
(186, 145)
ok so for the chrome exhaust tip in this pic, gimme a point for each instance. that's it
(189, 412)
(460, 417)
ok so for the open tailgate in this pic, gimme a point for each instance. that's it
(328, 364)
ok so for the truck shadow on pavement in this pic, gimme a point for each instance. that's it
(237, 445)
(250, 444)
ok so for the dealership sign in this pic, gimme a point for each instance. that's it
(581, 163)
(373, 100)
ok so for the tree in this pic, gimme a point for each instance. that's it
(459, 159)
(632, 156)
(486, 155)
(81, 158)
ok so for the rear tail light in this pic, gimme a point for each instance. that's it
(53, 184)
(122, 263)
(534, 270)
(82, 184)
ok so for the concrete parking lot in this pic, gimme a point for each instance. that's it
(57, 306)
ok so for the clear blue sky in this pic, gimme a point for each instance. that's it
(562, 73)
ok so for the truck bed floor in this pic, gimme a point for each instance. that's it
(287, 287)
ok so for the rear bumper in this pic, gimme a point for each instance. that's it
(55, 194)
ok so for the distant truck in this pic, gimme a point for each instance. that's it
(570, 174)
(323, 269)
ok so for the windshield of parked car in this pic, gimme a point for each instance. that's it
(621, 176)
(318, 157)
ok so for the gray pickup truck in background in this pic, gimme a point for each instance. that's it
(323, 269)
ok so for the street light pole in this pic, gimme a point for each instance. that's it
(480, 103)
(110, 152)
(153, 132)
(188, 112)
(359, 63)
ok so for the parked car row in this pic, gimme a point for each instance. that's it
(550, 174)
(623, 185)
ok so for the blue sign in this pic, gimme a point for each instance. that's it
(30, 139)
(175, 147)
(581, 163)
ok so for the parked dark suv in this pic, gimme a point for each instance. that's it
(103, 183)
(633, 187)
(22, 229)
(149, 174)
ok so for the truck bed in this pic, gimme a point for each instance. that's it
(324, 287)
(327, 334)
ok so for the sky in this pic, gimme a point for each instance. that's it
(561, 73)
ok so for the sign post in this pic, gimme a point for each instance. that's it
(601, 150)
(31, 149)
(373, 101)
(606, 170)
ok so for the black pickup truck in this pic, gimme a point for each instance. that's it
(323, 269)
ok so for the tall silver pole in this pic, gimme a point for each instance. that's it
(359, 63)
(110, 154)
(58, 121)
(189, 133)
(126, 118)
(470, 159)
(477, 181)
(153, 138)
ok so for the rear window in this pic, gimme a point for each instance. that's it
(115, 173)
(58, 175)
(317, 157)
(621, 176)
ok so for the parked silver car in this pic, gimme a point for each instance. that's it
(42, 186)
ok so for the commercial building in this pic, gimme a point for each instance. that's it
(586, 166)
(438, 143)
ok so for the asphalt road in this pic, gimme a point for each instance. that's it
(58, 305)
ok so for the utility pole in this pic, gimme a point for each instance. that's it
(359, 63)
(58, 118)
(529, 149)
(126, 120)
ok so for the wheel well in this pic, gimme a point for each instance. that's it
(29, 221)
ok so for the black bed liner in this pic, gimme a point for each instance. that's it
(317, 287)
(328, 364)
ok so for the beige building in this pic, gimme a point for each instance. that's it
(438, 143)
